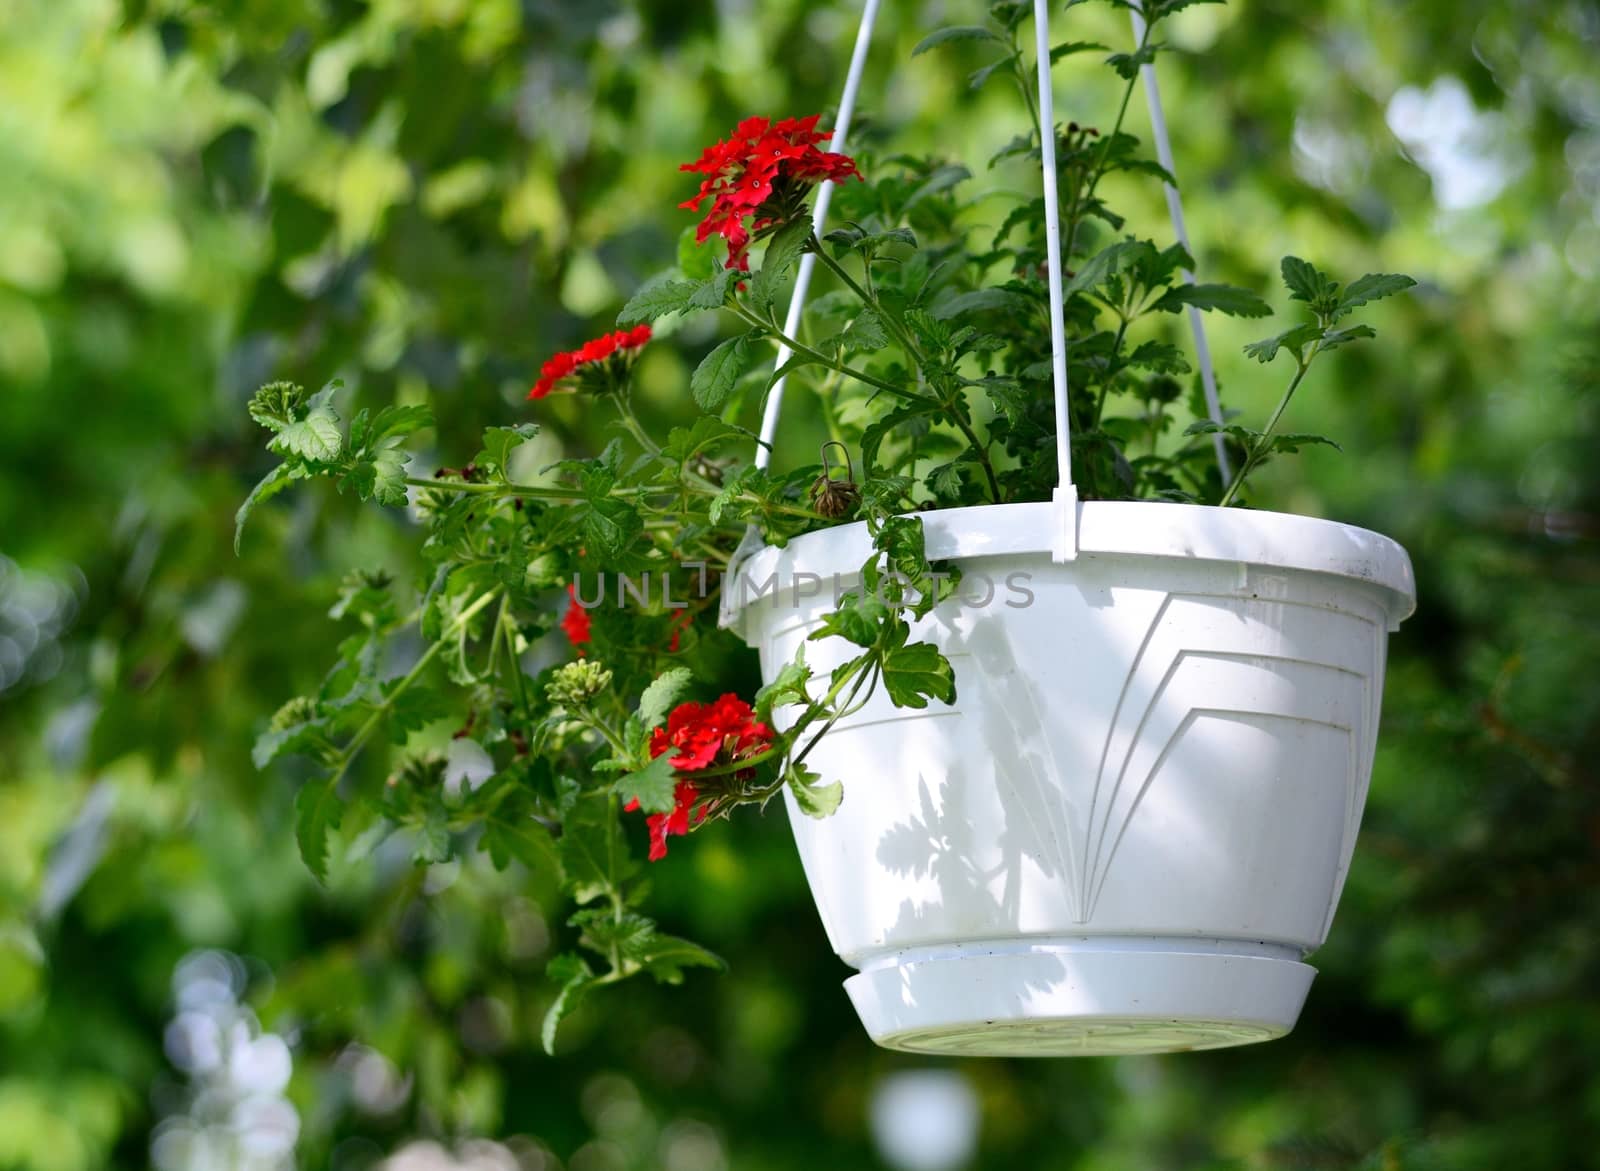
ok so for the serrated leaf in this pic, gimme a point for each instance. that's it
(1293, 442)
(856, 620)
(696, 260)
(1128, 65)
(865, 332)
(1235, 302)
(1067, 48)
(666, 956)
(982, 300)
(789, 686)
(1374, 287)
(662, 695)
(913, 674)
(593, 854)
(500, 442)
(399, 420)
(317, 813)
(521, 839)
(316, 437)
(1293, 339)
(946, 36)
(813, 798)
(783, 249)
(719, 372)
(1334, 338)
(269, 486)
(942, 179)
(1306, 283)
(713, 293)
(1161, 357)
(574, 975)
(653, 787)
(656, 301)
(609, 527)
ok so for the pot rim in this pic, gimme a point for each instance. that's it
(1126, 528)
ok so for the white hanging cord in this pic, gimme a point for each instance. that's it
(727, 611)
(1065, 546)
(1197, 325)
(819, 217)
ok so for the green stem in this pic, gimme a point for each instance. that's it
(635, 428)
(526, 491)
(365, 731)
(817, 356)
(508, 633)
(895, 326)
(1261, 445)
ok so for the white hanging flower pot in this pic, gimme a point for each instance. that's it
(1135, 821)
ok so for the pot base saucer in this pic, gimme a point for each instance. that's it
(1080, 997)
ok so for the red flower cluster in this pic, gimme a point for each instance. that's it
(610, 355)
(702, 735)
(761, 174)
(575, 622)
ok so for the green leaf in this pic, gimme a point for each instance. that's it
(1067, 48)
(400, 420)
(609, 527)
(1128, 65)
(380, 477)
(574, 975)
(593, 854)
(786, 246)
(981, 300)
(857, 619)
(946, 36)
(942, 179)
(1235, 302)
(1334, 338)
(714, 379)
(865, 332)
(684, 443)
(500, 442)
(521, 839)
(656, 301)
(1374, 287)
(316, 437)
(1293, 339)
(814, 799)
(788, 687)
(270, 485)
(1161, 357)
(1293, 442)
(913, 674)
(666, 956)
(317, 813)
(713, 292)
(1306, 283)
(662, 695)
(653, 787)
(696, 261)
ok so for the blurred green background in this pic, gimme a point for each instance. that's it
(427, 198)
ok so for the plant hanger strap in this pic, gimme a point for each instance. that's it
(819, 218)
(1197, 322)
(1064, 537)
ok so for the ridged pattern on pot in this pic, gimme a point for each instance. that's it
(1153, 747)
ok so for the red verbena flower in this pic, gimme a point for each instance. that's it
(701, 732)
(576, 620)
(701, 735)
(758, 180)
(600, 364)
